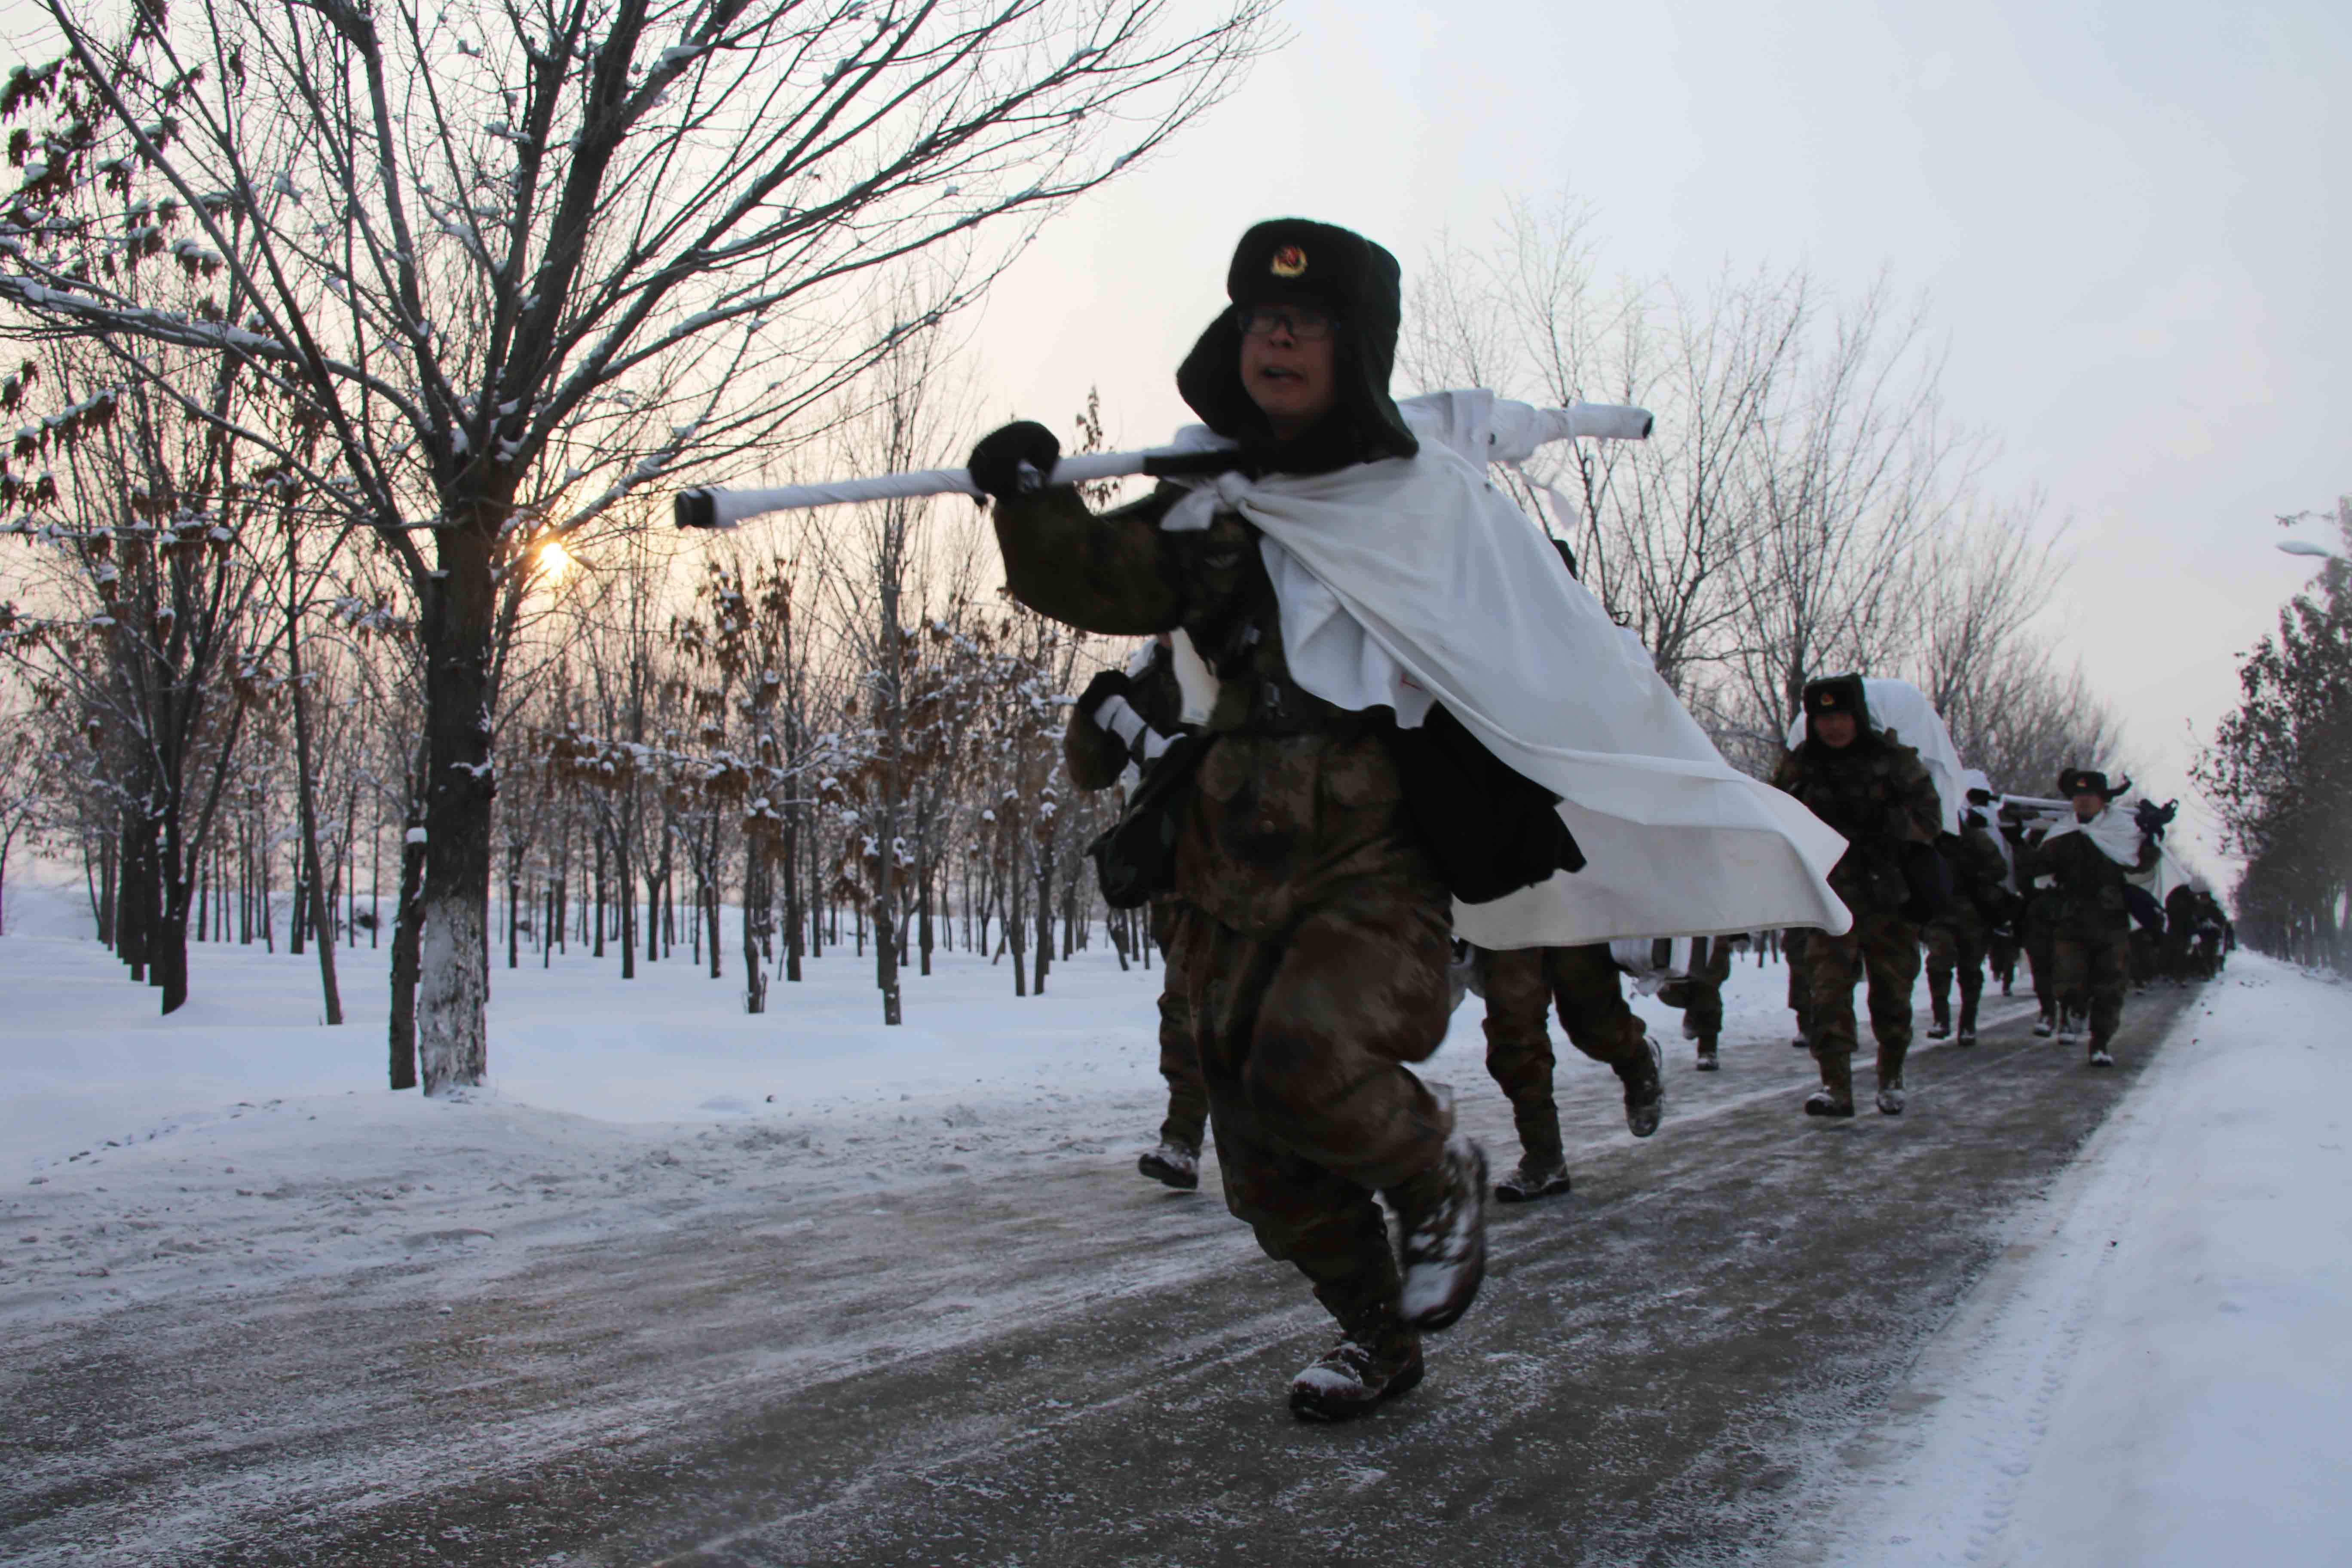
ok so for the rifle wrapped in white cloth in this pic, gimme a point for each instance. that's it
(1515, 433)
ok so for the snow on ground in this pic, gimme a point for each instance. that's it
(2156, 1373)
(2160, 1370)
(240, 1141)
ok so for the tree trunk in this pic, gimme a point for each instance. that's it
(452, 1044)
(168, 952)
(711, 893)
(755, 900)
(321, 910)
(134, 899)
(793, 942)
(407, 949)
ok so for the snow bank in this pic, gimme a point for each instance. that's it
(2160, 1370)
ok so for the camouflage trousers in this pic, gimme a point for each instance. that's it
(1701, 996)
(1180, 1056)
(1883, 952)
(1302, 1040)
(1523, 985)
(2000, 957)
(1792, 944)
(1956, 948)
(2091, 973)
(2040, 958)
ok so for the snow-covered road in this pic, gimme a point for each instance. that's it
(2159, 1372)
(919, 1309)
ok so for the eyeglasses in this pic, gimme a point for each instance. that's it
(1260, 320)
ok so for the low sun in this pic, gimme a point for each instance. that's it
(554, 561)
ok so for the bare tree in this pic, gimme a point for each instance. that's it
(1854, 465)
(513, 263)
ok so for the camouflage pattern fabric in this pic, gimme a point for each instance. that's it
(1312, 931)
(1792, 946)
(1879, 794)
(1955, 948)
(2001, 954)
(1701, 996)
(2089, 919)
(1522, 987)
(2091, 975)
(1303, 1040)
(1882, 951)
(1180, 1054)
(1956, 940)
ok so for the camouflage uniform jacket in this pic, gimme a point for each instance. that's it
(1878, 794)
(1294, 798)
(1979, 871)
(2087, 901)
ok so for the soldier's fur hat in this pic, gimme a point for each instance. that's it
(1292, 261)
(2088, 781)
(1838, 694)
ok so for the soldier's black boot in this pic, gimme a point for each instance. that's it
(1377, 1357)
(2043, 1027)
(1534, 1177)
(1645, 1090)
(1707, 1061)
(1835, 1095)
(1891, 1097)
(2100, 1056)
(1939, 1003)
(1172, 1165)
(1542, 1169)
(1969, 1001)
(1442, 1215)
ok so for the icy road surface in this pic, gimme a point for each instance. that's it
(848, 1327)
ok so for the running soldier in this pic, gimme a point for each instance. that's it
(1874, 790)
(1957, 939)
(1311, 939)
(1125, 720)
(2084, 864)
(1521, 987)
(2034, 927)
(2181, 920)
(1700, 996)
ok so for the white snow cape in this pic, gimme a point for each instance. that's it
(1415, 580)
(1899, 706)
(2113, 830)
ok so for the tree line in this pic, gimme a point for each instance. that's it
(2280, 770)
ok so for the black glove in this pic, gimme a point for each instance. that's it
(1105, 685)
(2152, 818)
(996, 462)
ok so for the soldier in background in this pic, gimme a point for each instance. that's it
(2034, 931)
(2084, 863)
(1522, 986)
(1874, 790)
(1700, 996)
(1124, 721)
(1957, 939)
(2181, 920)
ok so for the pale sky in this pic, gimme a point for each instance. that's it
(2120, 217)
(2120, 214)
